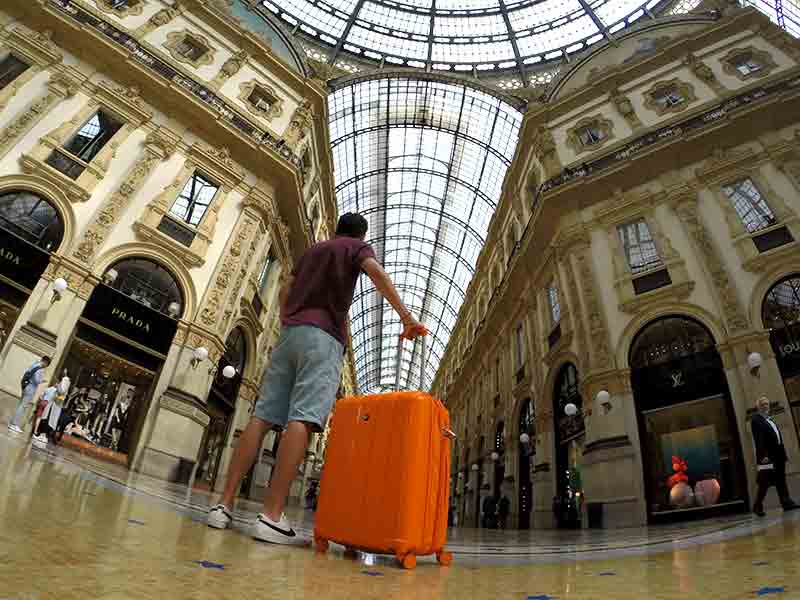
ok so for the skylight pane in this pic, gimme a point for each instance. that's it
(418, 159)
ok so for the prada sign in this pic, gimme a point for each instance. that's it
(21, 262)
(124, 317)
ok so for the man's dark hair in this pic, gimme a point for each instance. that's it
(46, 358)
(352, 225)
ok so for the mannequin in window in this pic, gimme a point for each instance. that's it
(119, 419)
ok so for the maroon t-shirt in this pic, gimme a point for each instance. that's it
(324, 283)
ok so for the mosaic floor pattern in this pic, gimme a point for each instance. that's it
(72, 527)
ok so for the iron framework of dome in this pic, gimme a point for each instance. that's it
(424, 161)
(461, 35)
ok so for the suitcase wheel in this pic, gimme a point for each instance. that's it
(321, 545)
(444, 558)
(409, 561)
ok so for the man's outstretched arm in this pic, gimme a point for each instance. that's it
(411, 327)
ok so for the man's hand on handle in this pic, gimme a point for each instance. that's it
(412, 328)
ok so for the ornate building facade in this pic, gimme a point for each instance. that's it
(639, 285)
(161, 163)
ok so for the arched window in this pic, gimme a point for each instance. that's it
(32, 218)
(781, 307)
(668, 339)
(236, 350)
(148, 283)
(527, 418)
(567, 390)
(235, 355)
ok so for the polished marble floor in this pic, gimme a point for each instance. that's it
(71, 527)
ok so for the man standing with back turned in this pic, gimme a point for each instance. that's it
(300, 383)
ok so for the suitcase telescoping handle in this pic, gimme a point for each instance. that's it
(422, 363)
(423, 355)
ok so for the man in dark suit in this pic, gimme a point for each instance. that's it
(770, 458)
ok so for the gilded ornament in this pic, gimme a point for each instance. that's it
(686, 208)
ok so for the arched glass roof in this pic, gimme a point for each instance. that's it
(461, 35)
(424, 161)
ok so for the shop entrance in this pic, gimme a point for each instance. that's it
(780, 312)
(691, 451)
(526, 453)
(30, 230)
(570, 433)
(115, 356)
(108, 399)
(221, 408)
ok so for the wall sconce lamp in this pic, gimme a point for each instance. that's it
(59, 286)
(604, 400)
(174, 309)
(495, 456)
(110, 277)
(525, 439)
(229, 372)
(571, 410)
(474, 468)
(200, 354)
(754, 361)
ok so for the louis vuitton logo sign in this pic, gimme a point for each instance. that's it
(130, 319)
(677, 379)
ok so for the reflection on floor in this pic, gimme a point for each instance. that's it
(72, 527)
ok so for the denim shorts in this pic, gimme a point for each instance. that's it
(302, 378)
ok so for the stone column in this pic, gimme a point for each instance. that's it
(175, 425)
(60, 87)
(543, 465)
(612, 458)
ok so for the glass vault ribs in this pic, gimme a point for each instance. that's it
(424, 162)
(461, 35)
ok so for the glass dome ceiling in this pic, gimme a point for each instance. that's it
(461, 35)
(424, 162)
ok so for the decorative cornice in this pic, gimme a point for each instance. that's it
(36, 45)
(159, 69)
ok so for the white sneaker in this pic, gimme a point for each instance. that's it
(219, 517)
(13, 428)
(40, 441)
(267, 530)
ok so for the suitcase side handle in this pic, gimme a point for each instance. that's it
(423, 355)
(449, 434)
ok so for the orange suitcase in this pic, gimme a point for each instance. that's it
(385, 485)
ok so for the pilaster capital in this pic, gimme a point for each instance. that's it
(64, 84)
(262, 203)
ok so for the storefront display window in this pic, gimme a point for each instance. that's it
(781, 315)
(697, 438)
(117, 351)
(30, 229)
(570, 429)
(690, 444)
